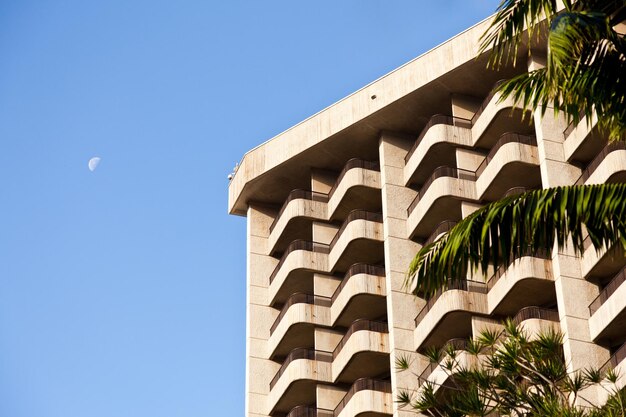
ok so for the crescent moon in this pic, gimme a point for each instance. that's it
(93, 163)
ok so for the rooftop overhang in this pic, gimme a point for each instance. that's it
(400, 102)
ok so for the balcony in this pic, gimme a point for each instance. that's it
(495, 117)
(366, 397)
(616, 362)
(294, 326)
(357, 186)
(361, 294)
(359, 239)
(529, 277)
(535, 320)
(448, 313)
(308, 411)
(293, 273)
(438, 373)
(583, 140)
(439, 199)
(435, 147)
(608, 311)
(362, 352)
(296, 381)
(608, 166)
(513, 161)
(293, 221)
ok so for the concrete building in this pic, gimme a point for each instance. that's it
(338, 205)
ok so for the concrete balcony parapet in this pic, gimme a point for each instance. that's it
(362, 287)
(609, 307)
(368, 397)
(294, 324)
(576, 135)
(359, 235)
(364, 348)
(449, 312)
(357, 176)
(535, 320)
(300, 255)
(440, 130)
(441, 194)
(296, 380)
(437, 373)
(606, 166)
(527, 277)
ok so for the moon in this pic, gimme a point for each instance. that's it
(93, 163)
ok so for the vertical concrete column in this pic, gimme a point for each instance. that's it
(259, 369)
(573, 292)
(321, 182)
(402, 307)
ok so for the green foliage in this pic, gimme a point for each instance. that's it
(586, 61)
(516, 375)
(531, 222)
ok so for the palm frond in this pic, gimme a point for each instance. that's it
(522, 224)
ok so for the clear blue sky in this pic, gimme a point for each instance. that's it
(122, 291)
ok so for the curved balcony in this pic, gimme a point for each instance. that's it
(529, 277)
(616, 362)
(582, 140)
(608, 310)
(300, 208)
(293, 273)
(495, 117)
(296, 381)
(362, 352)
(535, 320)
(358, 185)
(361, 294)
(294, 326)
(359, 239)
(308, 411)
(608, 166)
(443, 227)
(437, 372)
(366, 397)
(439, 199)
(448, 313)
(513, 161)
(435, 146)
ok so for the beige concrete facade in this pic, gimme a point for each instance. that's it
(338, 205)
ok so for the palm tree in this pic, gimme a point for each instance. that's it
(511, 372)
(585, 74)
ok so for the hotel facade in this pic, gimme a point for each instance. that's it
(338, 205)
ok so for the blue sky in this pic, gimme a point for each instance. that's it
(122, 291)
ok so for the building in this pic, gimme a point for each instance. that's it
(338, 205)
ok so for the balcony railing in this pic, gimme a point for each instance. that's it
(457, 344)
(608, 291)
(351, 164)
(572, 125)
(463, 285)
(299, 298)
(437, 119)
(298, 195)
(300, 353)
(356, 215)
(442, 171)
(540, 253)
(362, 384)
(516, 191)
(595, 163)
(309, 411)
(299, 245)
(443, 227)
(503, 140)
(356, 269)
(534, 312)
(360, 325)
(486, 101)
(616, 359)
